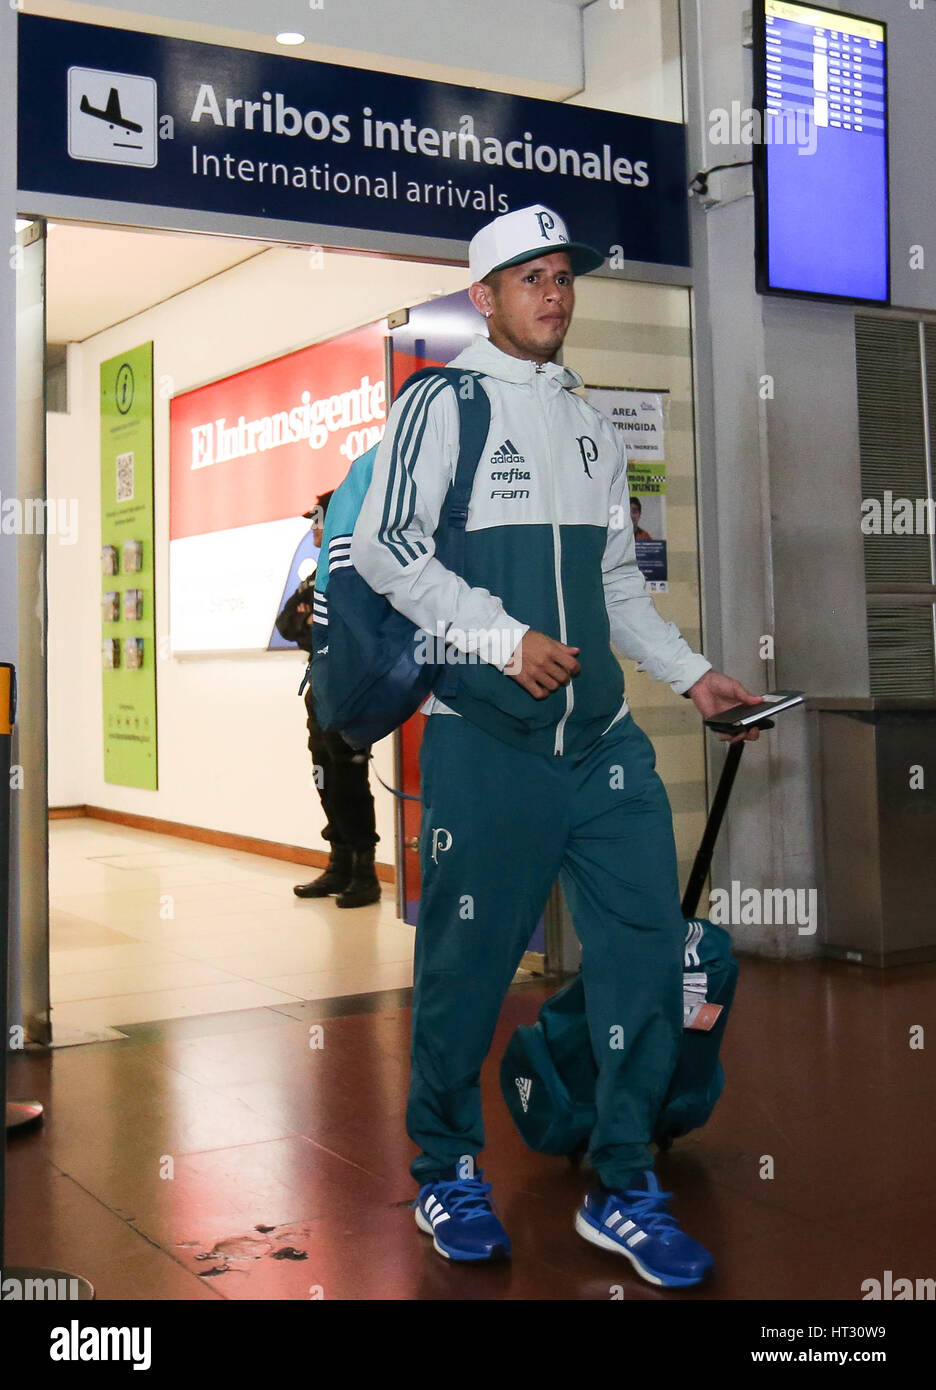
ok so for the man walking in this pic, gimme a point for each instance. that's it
(535, 768)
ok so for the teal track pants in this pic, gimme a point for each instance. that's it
(499, 826)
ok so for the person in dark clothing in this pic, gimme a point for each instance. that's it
(340, 777)
(344, 791)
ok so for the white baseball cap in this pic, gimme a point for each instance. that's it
(523, 235)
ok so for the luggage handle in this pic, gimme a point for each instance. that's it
(703, 859)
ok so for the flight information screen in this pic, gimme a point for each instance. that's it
(822, 157)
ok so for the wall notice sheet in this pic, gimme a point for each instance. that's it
(637, 416)
(639, 419)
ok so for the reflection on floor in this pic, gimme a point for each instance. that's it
(148, 926)
(262, 1154)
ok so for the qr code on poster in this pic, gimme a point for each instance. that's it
(125, 477)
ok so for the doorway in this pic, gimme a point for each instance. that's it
(171, 903)
(176, 899)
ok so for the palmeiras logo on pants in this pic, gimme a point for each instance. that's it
(111, 117)
(441, 842)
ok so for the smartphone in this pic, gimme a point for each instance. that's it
(742, 717)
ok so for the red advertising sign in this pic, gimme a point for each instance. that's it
(248, 455)
(260, 445)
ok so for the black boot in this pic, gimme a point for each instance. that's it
(364, 887)
(335, 879)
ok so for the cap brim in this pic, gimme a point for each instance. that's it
(582, 258)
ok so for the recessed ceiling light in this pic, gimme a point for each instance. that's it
(289, 36)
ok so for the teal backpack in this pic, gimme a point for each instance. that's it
(365, 671)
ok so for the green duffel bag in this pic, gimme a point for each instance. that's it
(548, 1071)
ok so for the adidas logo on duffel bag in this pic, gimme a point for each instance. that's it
(525, 1087)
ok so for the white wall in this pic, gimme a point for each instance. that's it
(532, 49)
(232, 753)
(632, 59)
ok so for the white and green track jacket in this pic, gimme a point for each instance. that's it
(549, 545)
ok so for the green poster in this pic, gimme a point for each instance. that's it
(128, 617)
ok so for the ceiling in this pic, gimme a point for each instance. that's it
(385, 37)
(99, 276)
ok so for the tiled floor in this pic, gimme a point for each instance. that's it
(226, 1157)
(148, 926)
(246, 1138)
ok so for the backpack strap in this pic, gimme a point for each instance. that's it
(474, 416)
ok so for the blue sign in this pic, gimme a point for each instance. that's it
(651, 559)
(139, 118)
(823, 79)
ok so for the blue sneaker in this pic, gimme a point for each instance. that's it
(457, 1212)
(635, 1223)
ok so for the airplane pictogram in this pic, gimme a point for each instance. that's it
(111, 113)
(112, 117)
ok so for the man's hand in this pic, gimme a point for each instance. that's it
(715, 692)
(541, 665)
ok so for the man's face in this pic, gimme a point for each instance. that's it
(635, 514)
(530, 306)
(317, 533)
